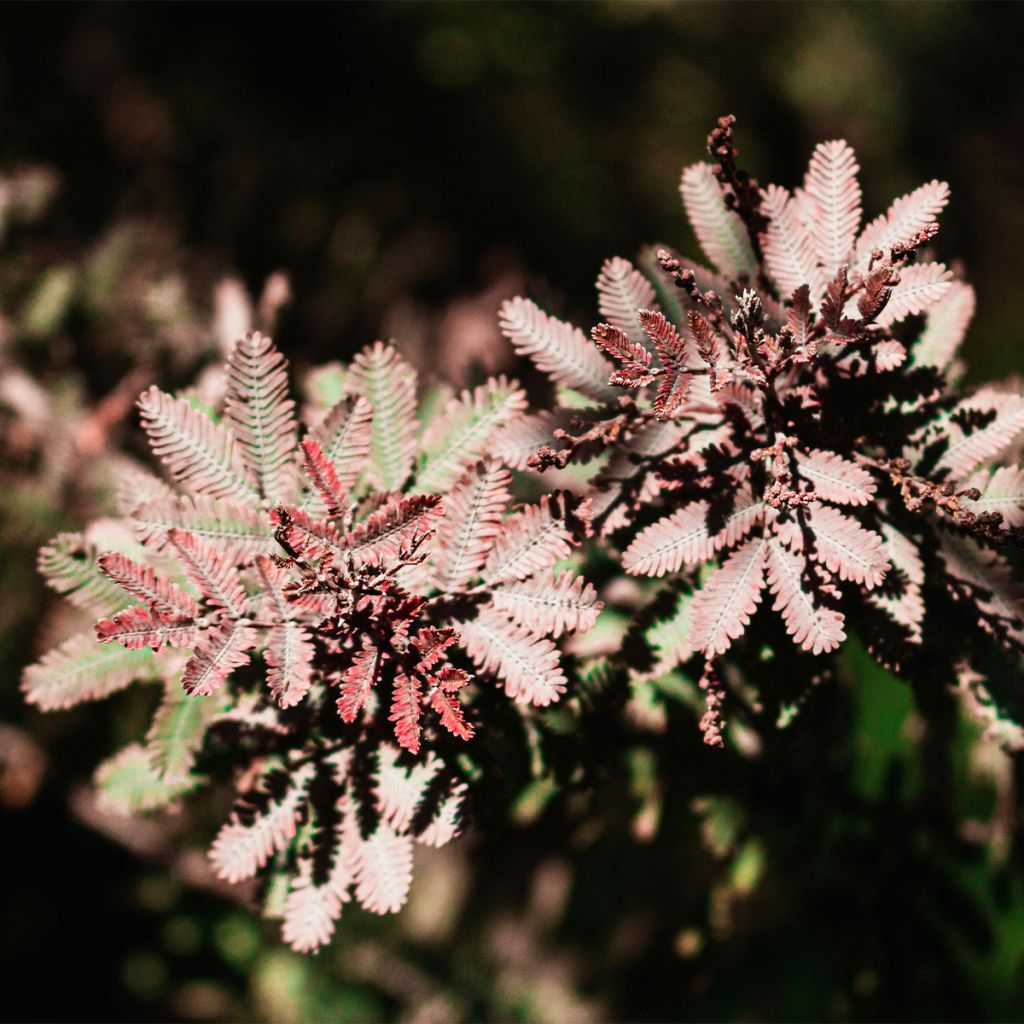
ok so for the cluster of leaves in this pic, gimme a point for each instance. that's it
(376, 606)
(774, 423)
(331, 598)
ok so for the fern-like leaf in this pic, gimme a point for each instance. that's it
(464, 432)
(719, 230)
(128, 784)
(905, 218)
(789, 249)
(405, 711)
(216, 578)
(383, 871)
(685, 537)
(69, 566)
(835, 478)
(388, 383)
(621, 291)
(832, 187)
(920, 285)
(971, 445)
(946, 323)
(237, 530)
(80, 670)
(218, 653)
(846, 548)
(535, 537)
(324, 477)
(526, 665)
(261, 413)
(177, 731)
(473, 518)
(344, 438)
(907, 608)
(202, 455)
(390, 528)
(558, 349)
(142, 582)
(137, 627)
(634, 359)
(722, 608)
(241, 849)
(1002, 492)
(357, 682)
(549, 604)
(289, 659)
(816, 629)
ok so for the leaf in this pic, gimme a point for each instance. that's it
(675, 355)
(218, 653)
(128, 784)
(535, 537)
(905, 218)
(907, 609)
(831, 185)
(309, 915)
(846, 548)
(289, 658)
(240, 850)
(449, 710)
(262, 414)
(719, 230)
(388, 382)
(669, 638)
(969, 448)
(202, 455)
(69, 564)
(835, 478)
(548, 603)
(400, 788)
(622, 291)
(1002, 492)
(405, 711)
(998, 596)
(945, 325)
(344, 437)
(81, 669)
(920, 285)
(722, 608)
(473, 519)
(237, 530)
(465, 430)
(815, 629)
(683, 538)
(383, 871)
(394, 526)
(142, 581)
(324, 477)
(515, 442)
(177, 732)
(358, 680)
(789, 249)
(137, 627)
(526, 666)
(558, 349)
(635, 361)
(216, 578)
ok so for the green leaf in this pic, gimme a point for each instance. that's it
(127, 783)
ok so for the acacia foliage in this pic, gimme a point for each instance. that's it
(320, 608)
(783, 425)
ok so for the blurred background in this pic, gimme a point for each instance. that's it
(170, 173)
